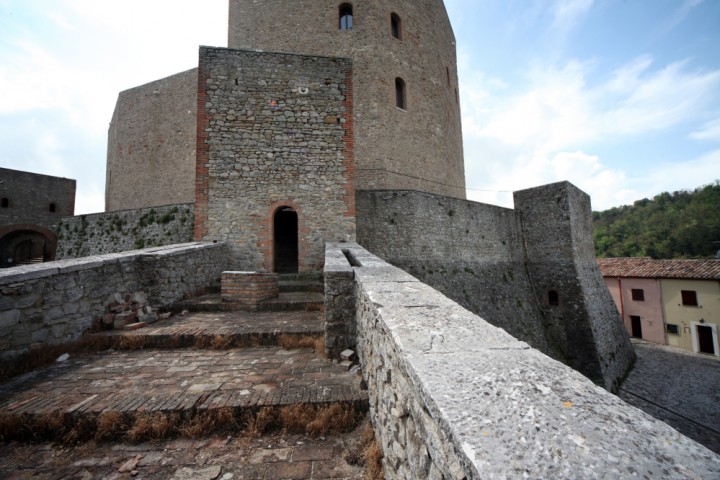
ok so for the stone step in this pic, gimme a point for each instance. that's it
(222, 330)
(85, 390)
(286, 301)
(301, 286)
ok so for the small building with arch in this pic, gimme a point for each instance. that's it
(31, 205)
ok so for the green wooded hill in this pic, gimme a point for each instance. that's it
(672, 225)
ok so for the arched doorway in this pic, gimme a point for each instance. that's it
(22, 247)
(285, 241)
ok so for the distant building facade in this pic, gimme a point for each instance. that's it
(30, 206)
(671, 302)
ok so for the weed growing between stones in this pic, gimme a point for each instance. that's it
(290, 342)
(367, 453)
(142, 426)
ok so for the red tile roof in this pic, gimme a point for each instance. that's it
(645, 267)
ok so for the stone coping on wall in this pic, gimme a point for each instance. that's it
(47, 269)
(499, 408)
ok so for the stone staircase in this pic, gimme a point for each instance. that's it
(197, 364)
(298, 292)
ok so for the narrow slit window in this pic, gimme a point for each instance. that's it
(52, 208)
(346, 16)
(553, 298)
(400, 94)
(5, 203)
(395, 26)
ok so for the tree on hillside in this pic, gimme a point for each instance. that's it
(683, 224)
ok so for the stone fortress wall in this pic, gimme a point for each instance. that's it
(275, 132)
(119, 231)
(31, 206)
(151, 144)
(502, 264)
(452, 396)
(418, 147)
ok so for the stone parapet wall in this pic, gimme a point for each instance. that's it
(55, 302)
(452, 396)
(503, 263)
(340, 328)
(111, 232)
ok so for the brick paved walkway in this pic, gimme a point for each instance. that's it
(679, 388)
(180, 381)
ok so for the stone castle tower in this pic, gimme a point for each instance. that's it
(406, 102)
(407, 131)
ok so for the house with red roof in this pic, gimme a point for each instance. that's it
(671, 302)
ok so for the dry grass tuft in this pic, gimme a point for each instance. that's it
(153, 426)
(261, 422)
(296, 418)
(211, 421)
(373, 461)
(221, 342)
(320, 345)
(290, 342)
(336, 418)
(111, 426)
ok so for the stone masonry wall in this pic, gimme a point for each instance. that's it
(452, 396)
(29, 196)
(111, 232)
(56, 302)
(469, 251)
(151, 144)
(418, 147)
(274, 131)
(502, 264)
(557, 228)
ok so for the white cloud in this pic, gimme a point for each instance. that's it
(709, 131)
(546, 132)
(569, 13)
(681, 13)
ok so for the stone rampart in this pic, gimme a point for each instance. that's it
(503, 264)
(119, 231)
(454, 397)
(55, 302)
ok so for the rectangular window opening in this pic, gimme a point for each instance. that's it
(672, 328)
(638, 294)
(689, 298)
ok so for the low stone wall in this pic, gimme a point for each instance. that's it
(452, 396)
(120, 231)
(55, 302)
(340, 328)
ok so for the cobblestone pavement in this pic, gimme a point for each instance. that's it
(679, 388)
(180, 380)
(222, 458)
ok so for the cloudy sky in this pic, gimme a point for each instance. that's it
(620, 97)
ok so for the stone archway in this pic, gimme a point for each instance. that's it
(24, 244)
(285, 240)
